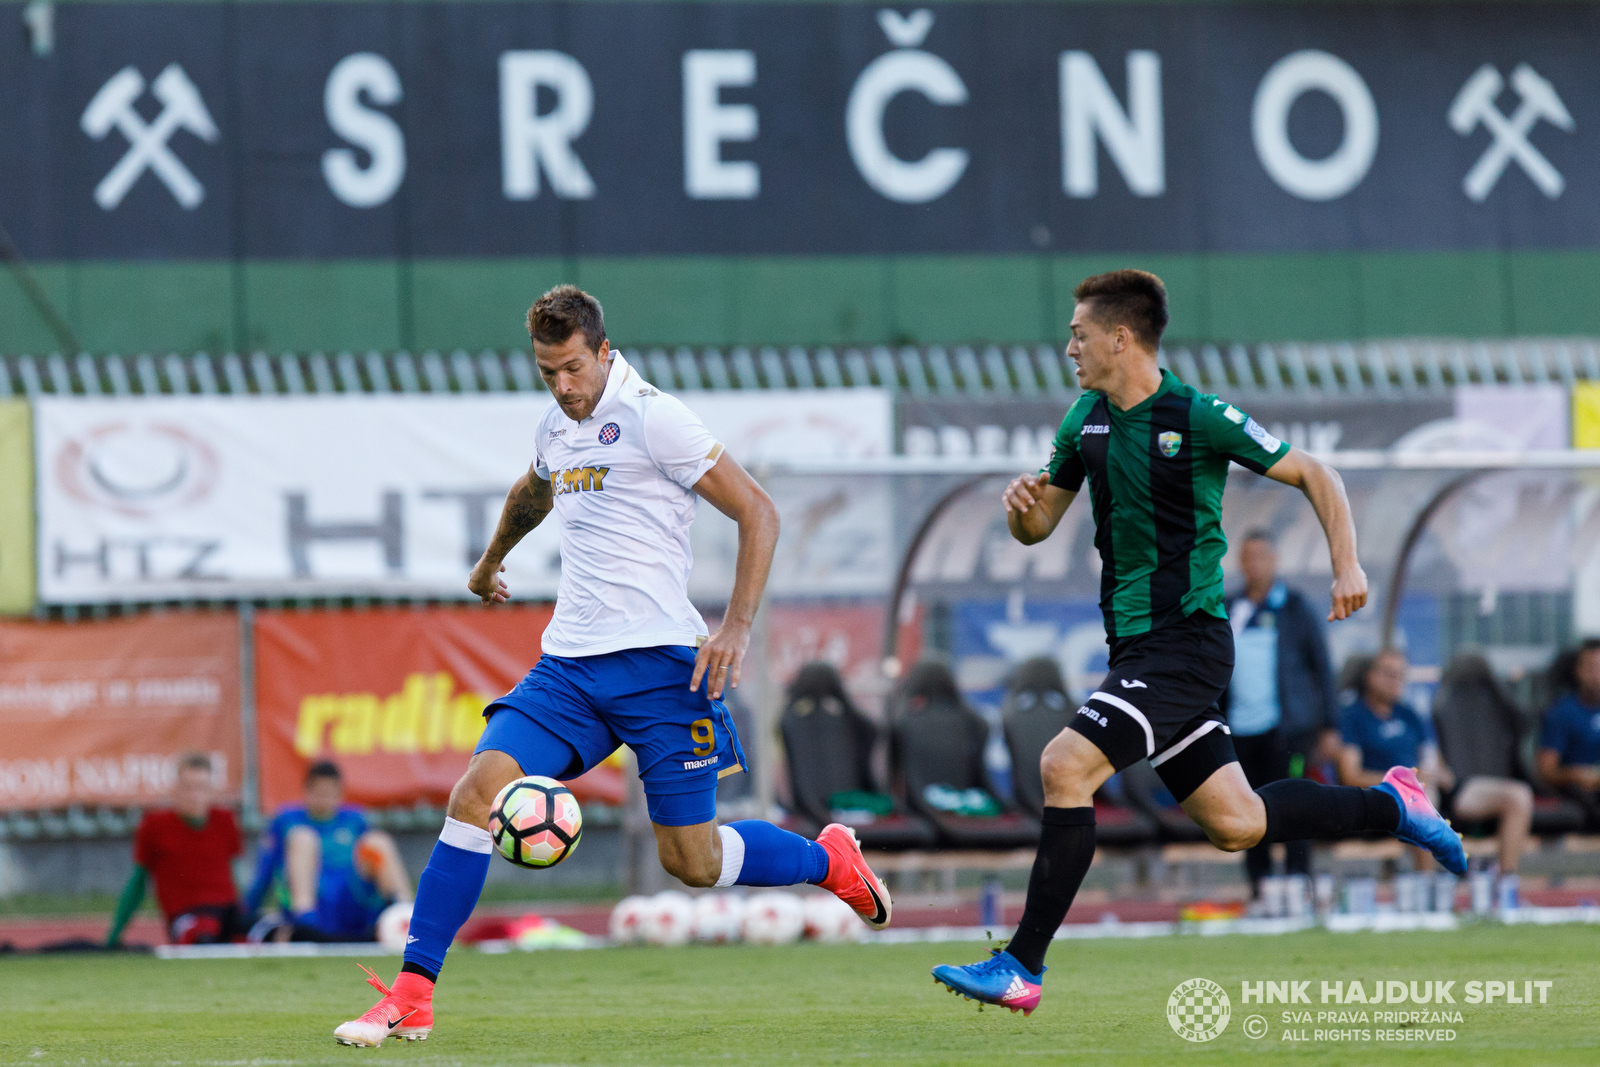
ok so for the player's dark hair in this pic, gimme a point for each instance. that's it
(563, 311)
(324, 769)
(1260, 533)
(1136, 299)
(194, 761)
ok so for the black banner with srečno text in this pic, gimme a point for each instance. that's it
(184, 130)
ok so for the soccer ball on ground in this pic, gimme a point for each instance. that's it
(828, 918)
(718, 917)
(535, 822)
(627, 919)
(394, 923)
(668, 918)
(773, 918)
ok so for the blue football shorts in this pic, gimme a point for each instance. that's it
(570, 713)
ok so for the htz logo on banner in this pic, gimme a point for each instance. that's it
(1474, 106)
(114, 107)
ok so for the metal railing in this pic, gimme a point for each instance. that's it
(1367, 369)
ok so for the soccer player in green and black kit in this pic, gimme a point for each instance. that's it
(1155, 453)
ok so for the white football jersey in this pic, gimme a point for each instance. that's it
(623, 481)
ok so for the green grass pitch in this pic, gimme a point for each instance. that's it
(1105, 1002)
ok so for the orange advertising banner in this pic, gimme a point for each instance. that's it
(96, 713)
(394, 696)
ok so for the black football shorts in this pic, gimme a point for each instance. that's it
(1160, 700)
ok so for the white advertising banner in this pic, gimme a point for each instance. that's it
(210, 497)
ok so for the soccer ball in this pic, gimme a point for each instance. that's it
(773, 919)
(627, 919)
(828, 918)
(535, 822)
(669, 919)
(718, 917)
(394, 923)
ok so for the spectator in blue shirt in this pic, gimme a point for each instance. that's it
(330, 874)
(1569, 746)
(1380, 730)
(1281, 702)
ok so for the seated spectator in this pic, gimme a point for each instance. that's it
(188, 849)
(1379, 731)
(1480, 733)
(1569, 746)
(330, 874)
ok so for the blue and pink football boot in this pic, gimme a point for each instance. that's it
(1000, 979)
(1421, 824)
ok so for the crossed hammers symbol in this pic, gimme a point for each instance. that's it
(182, 108)
(1474, 104)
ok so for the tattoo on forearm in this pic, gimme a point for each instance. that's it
(523, 511)
(521, 515)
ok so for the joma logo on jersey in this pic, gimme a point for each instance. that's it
(579, 480)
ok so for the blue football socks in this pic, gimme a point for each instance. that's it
(446, 894)
(758, 853)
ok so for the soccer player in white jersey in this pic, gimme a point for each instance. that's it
(624, 464)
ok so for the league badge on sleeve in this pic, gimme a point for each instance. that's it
(1261, 437)
(609, 433)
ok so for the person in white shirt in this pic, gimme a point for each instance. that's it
(625, 654)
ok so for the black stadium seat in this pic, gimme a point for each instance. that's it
(938, 740)
(829, 746)
(1116, 826)
(1480, 730)
(1037, 708)
(1145, 791)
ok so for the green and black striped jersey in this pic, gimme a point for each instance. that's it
(1156, 474)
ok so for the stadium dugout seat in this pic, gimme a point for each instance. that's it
(829, 745)
(1477, 721)
(1038, 707)
(1148, 795)
(936, 740)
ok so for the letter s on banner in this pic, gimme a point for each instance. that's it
(1342, 170)
(529, 140)
(886, 77)
(365, 127)
(708, 122)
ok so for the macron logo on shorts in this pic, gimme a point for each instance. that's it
(696, 764)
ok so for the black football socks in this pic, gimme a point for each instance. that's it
(1066, 848)
(1299, 809)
